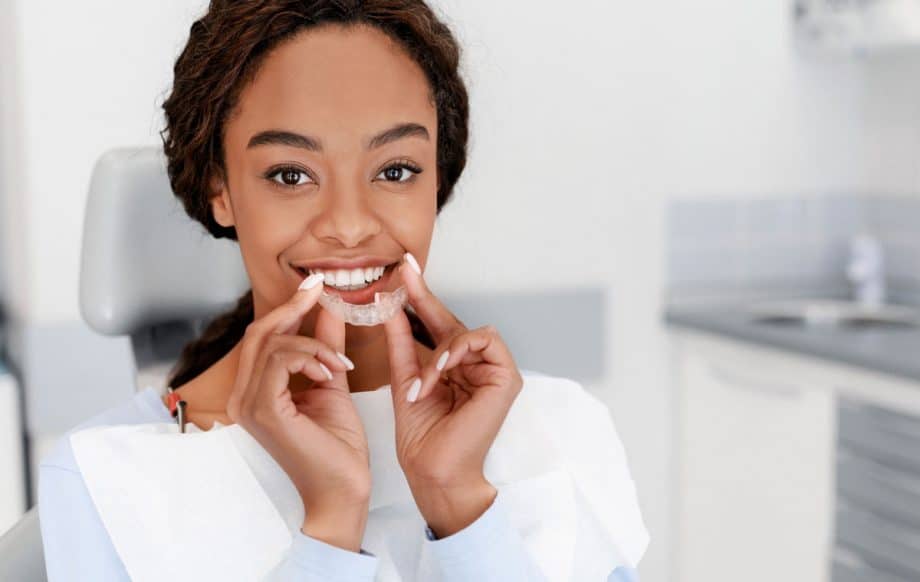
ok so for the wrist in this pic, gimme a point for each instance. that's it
(340, 526)
(449, 509)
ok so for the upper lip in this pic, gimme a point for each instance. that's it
(344, 263)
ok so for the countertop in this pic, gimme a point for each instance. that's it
(889, 350)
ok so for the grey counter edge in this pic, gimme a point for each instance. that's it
(903, 362)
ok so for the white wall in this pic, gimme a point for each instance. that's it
(91, 77)
(588, 117)
(891, 148)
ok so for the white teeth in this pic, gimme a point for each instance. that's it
(350, 278)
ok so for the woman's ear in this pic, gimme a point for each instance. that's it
(221, 207)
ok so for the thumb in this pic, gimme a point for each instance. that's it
(403, 359)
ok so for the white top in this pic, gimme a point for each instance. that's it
(557, 462)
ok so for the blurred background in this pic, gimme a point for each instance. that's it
(705, 212)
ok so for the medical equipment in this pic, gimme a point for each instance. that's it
(384, 307)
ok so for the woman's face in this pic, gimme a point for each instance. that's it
(330, 154)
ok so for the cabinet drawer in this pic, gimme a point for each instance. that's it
(879, 487)
(887, 542)
(880, 432)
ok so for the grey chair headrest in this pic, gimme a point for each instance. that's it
(144, 261)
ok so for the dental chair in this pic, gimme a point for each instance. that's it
(151, 273)
(148, 272)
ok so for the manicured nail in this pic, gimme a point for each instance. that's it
(442, 360)
(345, 360)
(413, 263)
(413, 390)
(326, 370)
(311, 281)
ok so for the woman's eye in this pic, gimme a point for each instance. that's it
(290, 177)
(399, 173)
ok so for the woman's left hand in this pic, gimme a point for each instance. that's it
(443, 436)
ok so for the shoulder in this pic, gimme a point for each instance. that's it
(579, 415)
(144, 406)
(564, 394)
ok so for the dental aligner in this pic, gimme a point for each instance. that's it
(385, 306)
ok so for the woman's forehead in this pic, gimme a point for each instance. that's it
(336, 81)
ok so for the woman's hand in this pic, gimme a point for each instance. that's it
(315, 435)
(443, 436)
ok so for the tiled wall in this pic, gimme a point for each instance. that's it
(897, 221)
(787, 242)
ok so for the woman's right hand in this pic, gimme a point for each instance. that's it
(315, 435)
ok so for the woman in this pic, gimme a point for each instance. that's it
(325, 137)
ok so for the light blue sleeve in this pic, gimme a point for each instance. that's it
(75, 540)
(624, 574)
(490, 549)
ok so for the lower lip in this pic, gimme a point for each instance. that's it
(365, 295)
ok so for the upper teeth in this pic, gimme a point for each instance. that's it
(348, 277)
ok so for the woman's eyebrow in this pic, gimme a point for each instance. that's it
(297, 140)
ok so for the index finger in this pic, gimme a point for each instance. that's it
(438, 319)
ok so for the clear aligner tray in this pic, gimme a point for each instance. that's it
(385, 306)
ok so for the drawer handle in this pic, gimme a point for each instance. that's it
(754, 385)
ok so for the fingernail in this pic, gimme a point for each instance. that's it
(311, 281)
(442, 360)
(344, 358)
(413, 390)
(326, 370)
(413, 263)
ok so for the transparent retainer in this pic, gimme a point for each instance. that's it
(385, 306)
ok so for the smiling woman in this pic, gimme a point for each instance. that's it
(324, 137)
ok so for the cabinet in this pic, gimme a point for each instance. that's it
(791, 467)
(755, 452)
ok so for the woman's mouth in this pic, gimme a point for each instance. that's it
(353, 285)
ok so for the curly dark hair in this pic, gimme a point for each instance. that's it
(223, 53)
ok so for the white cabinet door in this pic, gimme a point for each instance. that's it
(755, 456)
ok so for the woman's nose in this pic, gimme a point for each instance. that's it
(348, 218)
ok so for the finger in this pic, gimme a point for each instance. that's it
(333, 359)
(439, 320)
(482, 345)
(330, 330)
(285, 318)
(402, 357)
(275, 377)
(315, 347)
